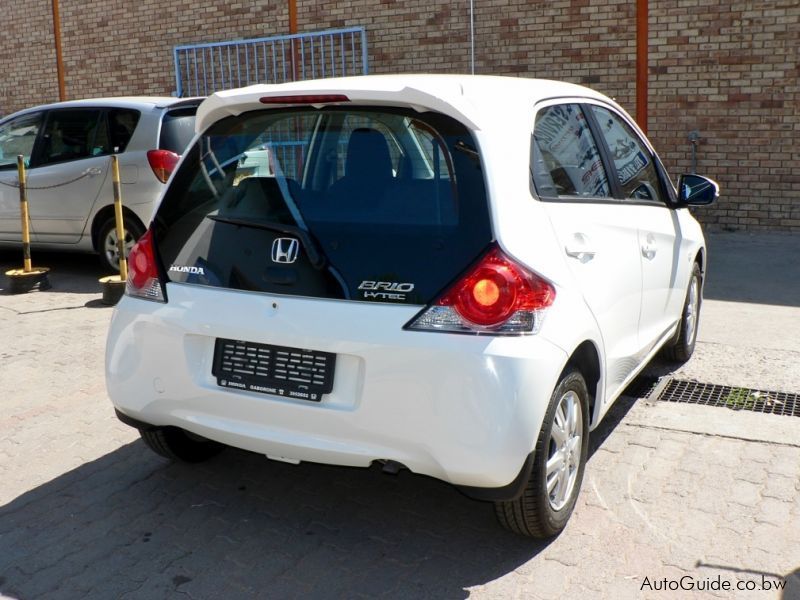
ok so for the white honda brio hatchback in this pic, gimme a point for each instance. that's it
(456, 275)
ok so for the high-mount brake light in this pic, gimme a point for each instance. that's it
(497, 296)
(144, 280)
(163, 163)
(305, 99)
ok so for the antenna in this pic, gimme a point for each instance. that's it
(472, 35)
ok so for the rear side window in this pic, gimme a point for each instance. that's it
(565, 158)
(177, 129)
(121, 125)
(18, 136)
(360, 204)
(72, 134)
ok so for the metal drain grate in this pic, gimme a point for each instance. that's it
(735, 398)
(641, 387)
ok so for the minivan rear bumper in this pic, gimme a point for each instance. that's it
(464, 409)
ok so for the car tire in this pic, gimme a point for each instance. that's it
(175, 444)
(107, 242)
(547, 501)
(681, 348)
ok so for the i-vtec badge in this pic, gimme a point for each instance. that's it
(187, 269)
(385, 290)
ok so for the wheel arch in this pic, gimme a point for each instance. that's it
(700, 259)
(586, 359)
(107, 212)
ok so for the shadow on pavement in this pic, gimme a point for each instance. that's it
(241, 526)
(759, 268)
(97, 303)
(788, 586)
(71, 272)
(613, 417)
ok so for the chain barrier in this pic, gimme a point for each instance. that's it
(48, 187)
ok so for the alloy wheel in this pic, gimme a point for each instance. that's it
(111, 248)
(692, 307)
(564, 456)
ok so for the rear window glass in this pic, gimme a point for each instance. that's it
(177, 129)
(70, 134)
(121, 125)
(358, 204)
(566, 161)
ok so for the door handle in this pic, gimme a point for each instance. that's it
(579, 248)
(649, 248)
(92, 171)
(649, 252)
(583, 255)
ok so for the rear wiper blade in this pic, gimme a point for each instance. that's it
(316, 259)
(466, 149)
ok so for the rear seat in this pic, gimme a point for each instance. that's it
(259, 198)
(420, 201)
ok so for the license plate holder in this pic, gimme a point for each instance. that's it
(276, 370)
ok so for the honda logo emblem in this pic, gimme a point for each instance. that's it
(285, 250)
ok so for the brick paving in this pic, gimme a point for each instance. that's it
(86, 511)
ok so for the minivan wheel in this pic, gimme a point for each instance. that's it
(543, 509)
(107, 242)
(682, 346)
(175, 444)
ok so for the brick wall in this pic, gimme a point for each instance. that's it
(559, 39)
(26, 46)
(126, 48)
(727, 69)
(731, 70)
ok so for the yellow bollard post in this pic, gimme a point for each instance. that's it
(123, 260)
(23, 211)
(27, 278)
(114, 285)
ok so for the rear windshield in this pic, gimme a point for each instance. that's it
(177, 129)
(361, 204)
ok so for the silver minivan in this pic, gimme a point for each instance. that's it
(67, 147)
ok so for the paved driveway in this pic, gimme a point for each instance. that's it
(671, 491)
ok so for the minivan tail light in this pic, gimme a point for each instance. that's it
(144, 280)
(163, 163)
(497, 296)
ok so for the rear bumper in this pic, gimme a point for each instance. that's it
(463, 409)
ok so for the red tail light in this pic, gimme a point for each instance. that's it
(144, 280)
(496, 296)
(163, 163)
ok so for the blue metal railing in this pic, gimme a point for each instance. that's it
(202, 69)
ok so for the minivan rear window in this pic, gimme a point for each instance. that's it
(383, 205)
(177, 129)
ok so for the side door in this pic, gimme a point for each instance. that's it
(641, 186)
(597, 235)
(67, 172)
(17, 136)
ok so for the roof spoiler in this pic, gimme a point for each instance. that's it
(448, 98)
(184, 102)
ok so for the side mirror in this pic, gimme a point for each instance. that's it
(696, 190)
